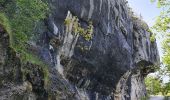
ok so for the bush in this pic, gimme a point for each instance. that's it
(152, 38)
(85, 33)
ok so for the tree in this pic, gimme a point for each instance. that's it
(165, 88)
(162, 25)
(153, 85)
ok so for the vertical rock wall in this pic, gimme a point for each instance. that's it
(111, 65)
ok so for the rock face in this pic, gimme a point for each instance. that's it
(110, 66)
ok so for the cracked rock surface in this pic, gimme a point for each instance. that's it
(110, 66)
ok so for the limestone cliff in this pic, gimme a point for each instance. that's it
(109, 62)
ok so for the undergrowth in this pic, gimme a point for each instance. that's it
(19, 18)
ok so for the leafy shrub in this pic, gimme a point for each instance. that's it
(152, 38)
(85, 33)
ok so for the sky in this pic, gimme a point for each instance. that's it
(149, 11)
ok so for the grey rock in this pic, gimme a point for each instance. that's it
(110, 66)
(111, 55)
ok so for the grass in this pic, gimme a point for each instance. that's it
(4, 23)
(17, 42)
(18, 19)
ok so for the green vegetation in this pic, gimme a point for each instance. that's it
(153, 38)
(155, 86)
(19, 18)
(5, 23)
(162, 26)
(165, 89)
(138, 20)
(85, 33)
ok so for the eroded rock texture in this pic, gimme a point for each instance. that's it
(110, 66)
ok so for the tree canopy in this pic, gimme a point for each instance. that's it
(153, 85)
(162, 26)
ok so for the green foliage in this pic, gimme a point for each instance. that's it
(165, 89)
(153, 85)
(86, 33)
(162, 26)
(19, 18)
(153, 38)
(5, 23)
(22, 16)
